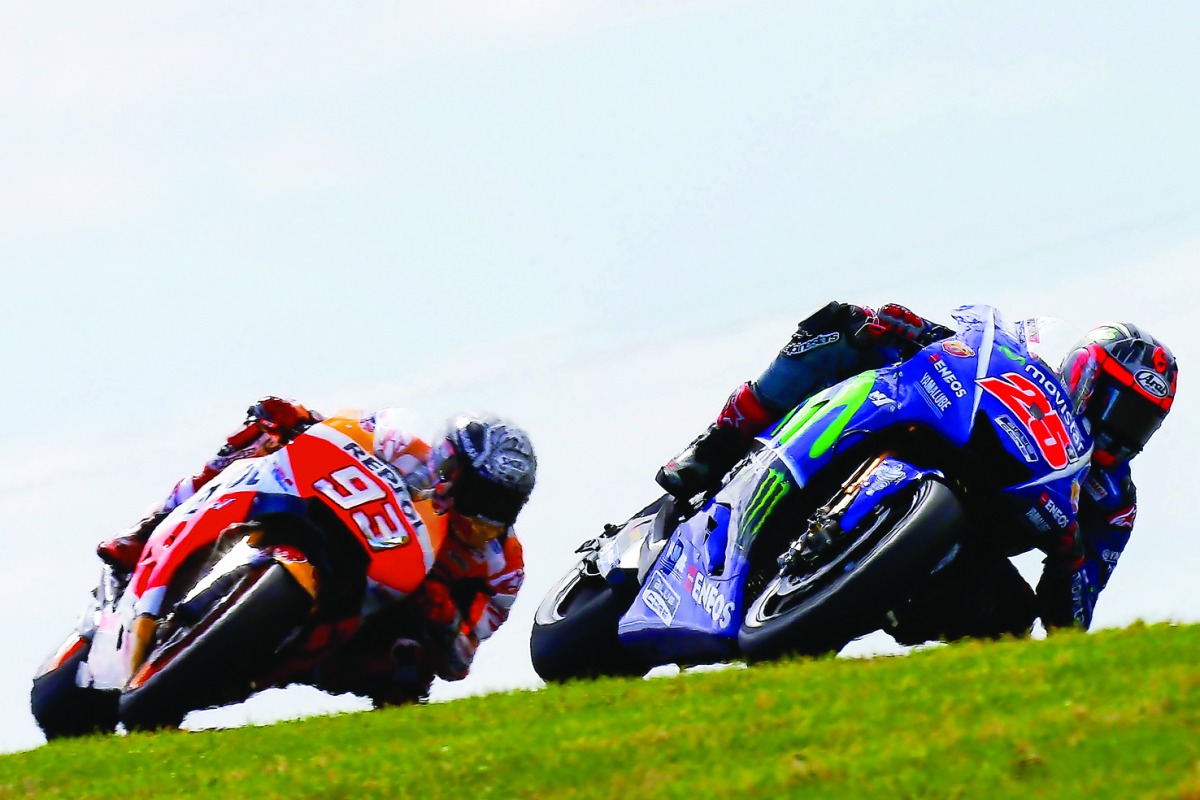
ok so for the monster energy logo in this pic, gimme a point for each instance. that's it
(768, 494)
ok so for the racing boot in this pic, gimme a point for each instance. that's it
(702, 465)
(123, 551)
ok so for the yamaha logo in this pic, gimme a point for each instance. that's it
(1152, 382)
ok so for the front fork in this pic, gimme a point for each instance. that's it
(824, 526)
(251, 548)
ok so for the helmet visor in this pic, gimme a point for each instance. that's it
(476, 496)
(1124, 420)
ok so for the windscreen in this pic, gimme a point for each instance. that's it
(1049, 338)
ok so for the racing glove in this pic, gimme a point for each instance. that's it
(451, 639)
(277, 419)
(436, 604)
(282, 419)
(896, 321)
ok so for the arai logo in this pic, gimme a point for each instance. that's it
(1152, 382)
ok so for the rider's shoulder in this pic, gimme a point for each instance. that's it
(1111, 486)
(394, 434)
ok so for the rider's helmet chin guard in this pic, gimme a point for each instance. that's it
(1122, 381)
(483, 469)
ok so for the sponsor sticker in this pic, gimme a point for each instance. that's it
(1055, 513)
(1095, 488)
(957, 348)
(884, 476)
(1018, 437)
(1123, 518)
(933, 394)
(795, 348)
(662, 599)
(707, 594)
(947, 375)
(880, 399)
(1152, 382)
(1033, 516)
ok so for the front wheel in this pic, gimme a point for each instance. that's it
(575, 629)
(212, 655)
(845, 595)
(60, 705)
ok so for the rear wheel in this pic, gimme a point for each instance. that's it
(575, 629)
(844, 592)
(215, 646)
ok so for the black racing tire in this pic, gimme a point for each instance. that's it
(892, 550)
(214, 659)
(63, 708)
(575, 629)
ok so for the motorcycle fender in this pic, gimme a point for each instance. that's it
(654, 542)
(888, 477)
(107, 665)
(621, 551)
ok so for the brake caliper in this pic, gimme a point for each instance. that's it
(812, 547)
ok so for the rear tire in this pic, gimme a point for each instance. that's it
(63, 708)
(575, 629)
(849, 594)
(214, 660)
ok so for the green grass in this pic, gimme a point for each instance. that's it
(1114, 714)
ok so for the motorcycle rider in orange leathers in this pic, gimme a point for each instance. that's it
(478, 473)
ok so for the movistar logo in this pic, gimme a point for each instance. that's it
(770, 491)
(1020, 359)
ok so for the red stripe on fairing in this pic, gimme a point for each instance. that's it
(1125, 378)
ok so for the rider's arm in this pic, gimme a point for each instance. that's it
(837, 341)
(270, 422)
(491, 606)
(395, 443)
(480, 604)
(1067, 594)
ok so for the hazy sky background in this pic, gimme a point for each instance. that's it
(595, 217)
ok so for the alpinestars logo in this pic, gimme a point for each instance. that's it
(1124, 518)
(795, 348)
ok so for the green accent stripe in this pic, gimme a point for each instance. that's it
(847, 399)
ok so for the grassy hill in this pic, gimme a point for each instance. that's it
(1112, 714)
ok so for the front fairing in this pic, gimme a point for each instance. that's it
(688, 606)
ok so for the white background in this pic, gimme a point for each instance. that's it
(594, 217)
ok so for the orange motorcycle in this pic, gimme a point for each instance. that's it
(274, 567)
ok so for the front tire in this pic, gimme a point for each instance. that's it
(575, 629)
(823, 609)
(214, 659)
(61, 706)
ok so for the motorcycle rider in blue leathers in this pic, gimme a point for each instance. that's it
(1122, 382)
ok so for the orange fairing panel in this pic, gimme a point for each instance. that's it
(352, 428)
(371, 498)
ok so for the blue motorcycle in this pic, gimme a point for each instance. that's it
(843, 511)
